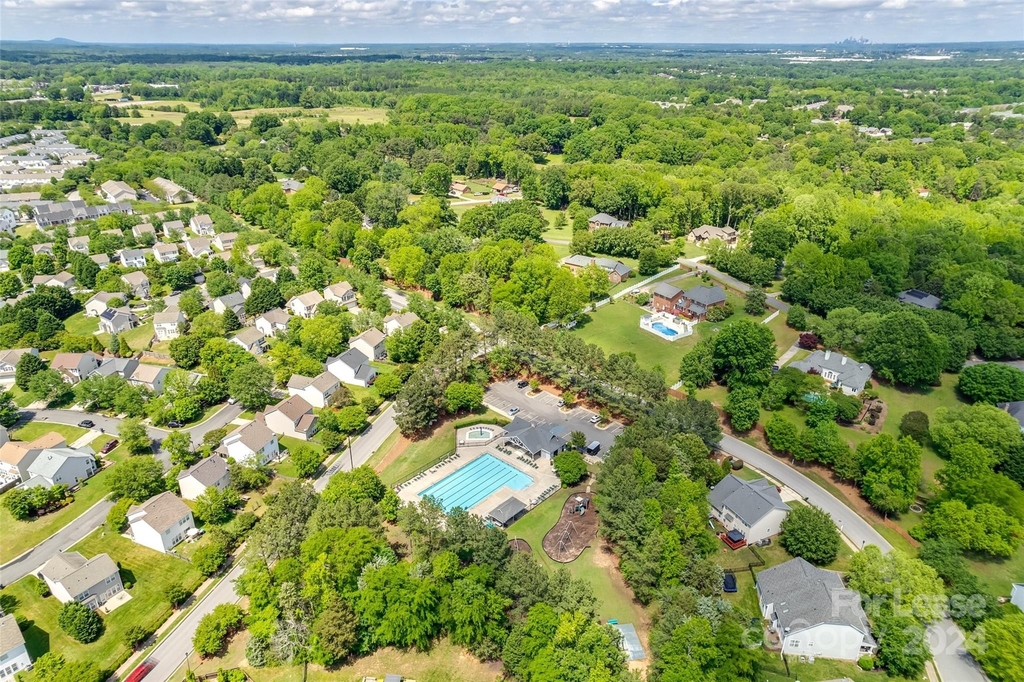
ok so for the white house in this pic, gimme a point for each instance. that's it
(151, 377)
(72, 577)
(8, 220)
(64, 280)
(60, 466)
(172, 192)
(9, 363)
(305, 305)
(79, 244)
(133, 258)
(13, 654)
(352, 367)
(251, 339)
(202, 225)
(292, 417)
(233, 302)
(252, 444)
(75, 366)
(397, 321)
(117, 320)
(839, 371)
(225, 240)
(211, 472)
(100, 259)
(314, 390)
(142, 229)
(174, 230)
(813, 613)
(272, 322)
(100, 301)
(137, 282)
(167, 324)
(198, 246)
(754, 508)
(115, 191)
(165, 253)
(45, 249)
(370, 343)
(161, 522)
(341, 293)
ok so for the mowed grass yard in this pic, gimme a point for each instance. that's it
(148, 111)
(149, 572)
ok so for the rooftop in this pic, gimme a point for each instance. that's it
(852, 374)
(160, 512)
(76, 573)
(207, 471)
(751, 501)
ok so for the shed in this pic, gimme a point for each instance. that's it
(630, 642)
(508, 511)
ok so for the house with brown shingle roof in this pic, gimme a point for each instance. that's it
(292, 417)
(161, 522)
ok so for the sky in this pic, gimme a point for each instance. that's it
(477, 21)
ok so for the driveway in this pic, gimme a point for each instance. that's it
(544, 407)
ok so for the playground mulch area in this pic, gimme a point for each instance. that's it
(572, 533)
(520, 545)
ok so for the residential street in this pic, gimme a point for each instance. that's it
(362, 448)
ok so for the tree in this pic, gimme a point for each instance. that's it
(796, 318)
(306, 460)
(570, 467)
(336, 631)
(915, 425)
(134, 437)
(123, 349)
(213, 506)
(783, 435)
(696, 369)
(265, 295)
(209, 558)
(992, 382)
(351, 419)
(251, 385)
(987, 425)
(595, 281)
(577, 440)
(185, 349)
(461, 396)
(890, 471)
(214, 629)
(175, 594)
(28, 366)
(810, 533)
(755, 302)
(8, 410)
(117, 517)
(179, 445)
(901, 348)
(388, 385)
(437, 179)
(137, 478)
(80, 622)
(49, 386)
(743, 406)
(999, 650)
(743, 354)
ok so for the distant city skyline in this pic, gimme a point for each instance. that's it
(479, 21)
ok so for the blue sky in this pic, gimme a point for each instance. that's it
(405, 21)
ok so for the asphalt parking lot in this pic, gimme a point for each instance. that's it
(544, 407)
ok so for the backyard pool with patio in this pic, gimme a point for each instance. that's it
(668, 327)
(476, 481)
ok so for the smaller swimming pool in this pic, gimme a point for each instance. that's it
(479, 434)
(664, 329)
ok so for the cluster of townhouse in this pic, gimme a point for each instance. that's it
(38, 157)
(76, 367)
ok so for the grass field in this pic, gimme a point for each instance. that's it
(34, 429)
(149, 114)
(80, 325)
(819, 671)
(148, 571)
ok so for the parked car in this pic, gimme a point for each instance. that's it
(110, 445)
(522, 383)
(729, 583)
(561, 403)
(175, 425)
(86, 424)
(232, 401)
(595, 419)
(513, 410)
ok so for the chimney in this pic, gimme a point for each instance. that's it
(828, 354)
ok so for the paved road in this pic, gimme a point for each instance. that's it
(362, 447)
(70, 534)
(945, 639)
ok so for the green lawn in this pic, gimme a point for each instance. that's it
(551, 232)
(35, 429)
(80, 325)
(21, 399)
(360, 392)
(821, 670)
(148, 571)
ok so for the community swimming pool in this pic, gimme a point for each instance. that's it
(476, 481)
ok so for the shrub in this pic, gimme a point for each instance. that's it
(866, 663)
(135, 635)
(176, 594)
(915, 425)
(80, 622)
(643, 298)
(808, 341)
(719, 312)
(809, 532)
(992, 382)
(570, 467)
(743, 407)
(214, 629)
(796, 318)
(39, 586)
(208, 558)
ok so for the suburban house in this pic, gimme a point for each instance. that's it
(605, 220)
(352, 367)
(921, 299)
(458, 188)
(100, 301)
(137, 282)
(292, 417)
(290, 186)
(5, 262)
(100, 259)
(540, 439)
(341, 293)
(251, 339)
(305, 304)
(754, 508)
(79, 244)
(706, 233)
(72, 577)
(225, 240)
(75, 366)
(813, 613)
(9, 362)
(198, 247)
(616, 269)
(151, 377)
(161, 522)
(165, 253)
(8, 220)
(133, 258)
(117, 320)
(122, 367)
(17, 456)
(233, 302)
(837, 370)
(115, 191)
(142, 229)
(503, 188)
(13, 654)
(171, 192)
(314, 390)
(399, 321)
(202, 225)
(696, 302)
(370, 343)
(272, 322)
(64, 280)
(167, 324)
(174, 229)
(253, 444)
(45, 249)
(211, 472)
(665, 297)
(60, 466)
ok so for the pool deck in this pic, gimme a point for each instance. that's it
(545, 480)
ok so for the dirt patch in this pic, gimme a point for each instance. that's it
(572, 533)
(520, 545)
(604, 557)
(393, 454)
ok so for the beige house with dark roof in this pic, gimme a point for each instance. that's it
(161, 522)
(211, 472)
(292, 417)
(370, 343)
(72, 577)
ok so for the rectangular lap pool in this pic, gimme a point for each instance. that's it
(474, 482)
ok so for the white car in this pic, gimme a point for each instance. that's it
(513, 410)
(595, 419)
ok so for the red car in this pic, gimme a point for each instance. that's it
(144, 668)
(111, 444)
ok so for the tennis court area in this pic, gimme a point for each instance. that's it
(468, 486)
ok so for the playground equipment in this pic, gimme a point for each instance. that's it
(581, 505)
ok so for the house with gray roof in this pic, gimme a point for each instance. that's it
(664, 297)
(696, 302)
(211, 472)
(754, 508)
(60, 466)
(706, 233)
(13, 654)
(72, 577)
(252, 444)
(922, 299)
(292, 417)
(605, 220)
(117, 320)
(1015, 410)
(133, 258)
(137, 282)
(839, 371)
(251, 339)
(616, 269)
(122, 367)
(316, 391)
(813, 612)
(161, 522)
(352, 367)
(233, 302)
(538, 439)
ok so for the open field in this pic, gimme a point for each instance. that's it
(149, 572)
(34, 429)
(80, 325)
(365, 115)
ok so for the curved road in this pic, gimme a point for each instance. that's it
(945, 639)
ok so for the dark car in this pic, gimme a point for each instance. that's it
(175, 425)
(729, 584)
(86, 424)
(522, 383)
(110, 445)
